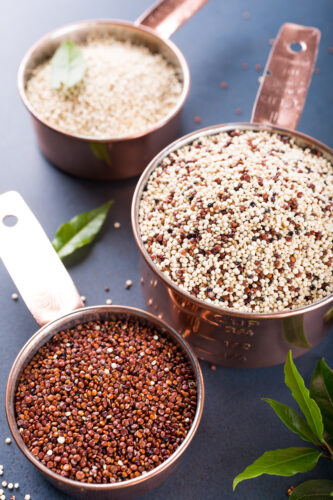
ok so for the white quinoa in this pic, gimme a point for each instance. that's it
(242, 220)
(126, 90)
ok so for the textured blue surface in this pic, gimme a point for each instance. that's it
(236, 426)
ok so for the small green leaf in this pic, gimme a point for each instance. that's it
(80, 230)
(294, 332)
(286, 462)
(67, 66)
(329, 315)
(301, 395)
(292, 420)
(321, 390)
(315, 489)
(100, 150)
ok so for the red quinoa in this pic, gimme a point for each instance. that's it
(103, 402)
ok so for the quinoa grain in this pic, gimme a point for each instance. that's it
(242, 220)
(98, 395)
(126, 90)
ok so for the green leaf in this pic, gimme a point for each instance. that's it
(67, 66)
(100, 150)
(80, 230)
(292, 420)
(316, 489)
(301, 395)
(329, 315)
(294, 333)
(286, 462)
(321, 390)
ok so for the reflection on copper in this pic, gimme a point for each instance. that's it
(110, 158)
(225, 336)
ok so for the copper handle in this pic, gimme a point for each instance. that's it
(41, 278)
(282, 93)
(167, 16)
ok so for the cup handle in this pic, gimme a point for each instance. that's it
(287, 76)
(166, 16)
(38, 273)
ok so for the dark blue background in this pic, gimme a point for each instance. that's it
(236, 427)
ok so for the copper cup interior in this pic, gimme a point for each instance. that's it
(300, 139)
(78, 33)
(125, 489)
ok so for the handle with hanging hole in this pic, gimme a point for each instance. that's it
(287, 76)
(38, 273)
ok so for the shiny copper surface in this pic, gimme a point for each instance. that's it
(225, 336)
(50, 292)
(13, 204)
(115, 491)
(167, 16)
(109, 158)
(287, 76)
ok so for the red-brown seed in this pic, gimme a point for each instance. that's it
(120, 395)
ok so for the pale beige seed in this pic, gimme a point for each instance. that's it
(126, 90)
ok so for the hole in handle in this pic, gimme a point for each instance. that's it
(297, 46)
(10, 220)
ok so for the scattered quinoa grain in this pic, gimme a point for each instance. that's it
(4, 484)
(27, 497)
(128, 284)
(107, 289)
(14, 296)
(212, 367)
(83, 298)
(290, 490)
(108, 302)
(10, 486)
(197, 119)
(116, 225)
(8, 440)
(16, 486)
(224, 85)
(258, 67)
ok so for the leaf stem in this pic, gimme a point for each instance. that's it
(328, 448)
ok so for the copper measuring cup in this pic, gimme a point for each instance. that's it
(52, 298)
(110, 158)
(225, 336)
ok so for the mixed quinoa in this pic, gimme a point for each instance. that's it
(242, 220)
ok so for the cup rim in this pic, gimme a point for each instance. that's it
(33, 345)
(178, 143)
(90, 23)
